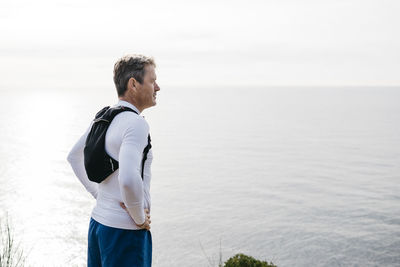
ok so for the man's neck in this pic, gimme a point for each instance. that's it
(131, 101)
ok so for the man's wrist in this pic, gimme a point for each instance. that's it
(141, 225)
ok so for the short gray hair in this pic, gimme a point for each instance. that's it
(130, 66)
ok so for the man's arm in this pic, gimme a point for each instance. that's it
(147, 178)
(130, 180)
(76, 159)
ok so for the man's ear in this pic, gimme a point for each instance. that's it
(132, 83)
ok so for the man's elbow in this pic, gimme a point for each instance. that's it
(129, 181)
(72, 157)
(126, 184)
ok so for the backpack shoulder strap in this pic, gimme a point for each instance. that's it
(101, 112)
(145, 152)
(107, 114)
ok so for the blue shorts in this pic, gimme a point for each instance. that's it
(109, 247)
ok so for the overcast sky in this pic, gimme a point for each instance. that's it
(75, 43)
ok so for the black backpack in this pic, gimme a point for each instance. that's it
(98, 164)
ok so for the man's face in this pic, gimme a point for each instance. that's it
(148, 89)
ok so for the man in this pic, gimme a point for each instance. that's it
(119, 227)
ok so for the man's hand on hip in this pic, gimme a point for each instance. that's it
(146, 224)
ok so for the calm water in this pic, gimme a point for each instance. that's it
(297, 176)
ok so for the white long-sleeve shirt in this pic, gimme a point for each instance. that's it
(126, 139)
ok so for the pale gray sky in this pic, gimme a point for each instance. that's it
(74, 44)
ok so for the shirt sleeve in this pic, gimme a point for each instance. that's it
(76, 159)
(130, 158)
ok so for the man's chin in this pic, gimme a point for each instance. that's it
(152, 104)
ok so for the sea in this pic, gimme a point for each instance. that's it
(297, 176)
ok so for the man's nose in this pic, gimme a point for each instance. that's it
(157, 88)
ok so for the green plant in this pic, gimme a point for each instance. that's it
(11, 255)
(241, 260)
